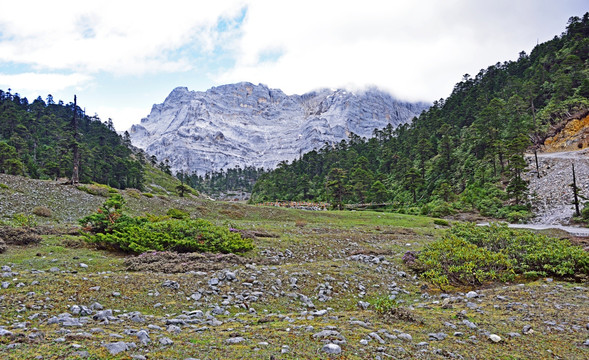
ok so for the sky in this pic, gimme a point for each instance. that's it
(121, 57)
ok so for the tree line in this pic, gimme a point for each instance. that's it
(227, 181)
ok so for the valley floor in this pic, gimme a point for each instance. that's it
(314, 279)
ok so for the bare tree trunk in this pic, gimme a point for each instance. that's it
(575, 190)
(536, 157)
(76, 150)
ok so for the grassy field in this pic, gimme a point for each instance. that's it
(303, 286)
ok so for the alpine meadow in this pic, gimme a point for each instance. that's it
(248, 222)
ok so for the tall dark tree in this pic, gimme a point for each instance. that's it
(75, 146)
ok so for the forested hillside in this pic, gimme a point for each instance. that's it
(465, 152)
(37, 140)
(224, 181)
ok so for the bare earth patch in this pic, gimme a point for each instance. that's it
(170, 262)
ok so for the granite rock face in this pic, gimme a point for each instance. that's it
(252, 125)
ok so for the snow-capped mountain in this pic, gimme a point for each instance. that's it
(244, 124)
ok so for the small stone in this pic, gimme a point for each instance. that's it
(494, 338)
(165, 341)
(137, 318)
(332, 349)
(196, 296)
(83, 266)
(437, 336)
(230, 276)
(319, 313)
(143, 337)
(527, 330)
(363, 305)
(116, 347)
(234, 340)
(404, 336)
(96, 306)
(173, 329)
(4, 332)
(171, 284)
(363, 342)
(472, 295)
(325, 333)
(54, 269)
(469, 324)
(217, 311)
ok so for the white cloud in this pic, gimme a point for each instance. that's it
(122, 117)
(417, 50)
(43, 83)
(121, 37)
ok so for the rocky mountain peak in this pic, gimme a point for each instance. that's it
(244, 124)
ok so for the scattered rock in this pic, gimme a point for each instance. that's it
(331, 349)
(234, 340)
(119, 346)
(494, 338)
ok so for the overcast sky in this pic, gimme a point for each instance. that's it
(121, 57)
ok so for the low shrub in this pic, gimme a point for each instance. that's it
(4, 186)
(300, 223)
(42, 211)
(585, 212)
(110, 227)
(471, 255)
(24, 220)
(147, 195)
(175, 235)
(391, 309)
(134, 193)
(178, 214)
(530, 251)
(441, 222)
(98, 189)
(440, 208)
(2, 246)
(454, 261)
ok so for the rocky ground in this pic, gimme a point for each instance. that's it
(312, 289)
(552, 193)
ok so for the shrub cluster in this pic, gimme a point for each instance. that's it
(110, 227)
(98, 189)
(472, 255)
(134, 193)
(177, 214)
(42, 211)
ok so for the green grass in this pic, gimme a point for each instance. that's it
(321, 244)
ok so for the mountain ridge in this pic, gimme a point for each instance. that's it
(244, 124)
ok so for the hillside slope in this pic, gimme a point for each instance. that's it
(464, 153)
